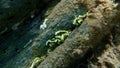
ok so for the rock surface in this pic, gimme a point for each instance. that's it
(21, 39)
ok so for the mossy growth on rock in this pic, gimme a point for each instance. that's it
(79, 19)
(59, 38)
(37, 61)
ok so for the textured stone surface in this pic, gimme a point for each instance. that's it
(22, 44)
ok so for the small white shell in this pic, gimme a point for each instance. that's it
(44, 25)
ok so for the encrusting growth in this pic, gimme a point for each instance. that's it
(60, 36)
(78, 20)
